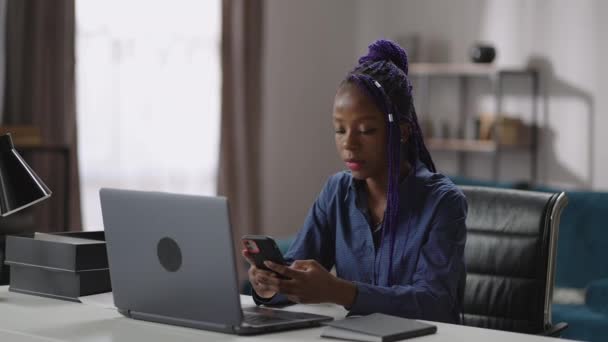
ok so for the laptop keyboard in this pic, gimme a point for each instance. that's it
(260, 319)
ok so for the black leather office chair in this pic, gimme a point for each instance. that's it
(510, 259)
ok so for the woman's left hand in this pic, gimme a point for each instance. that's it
(309, 282)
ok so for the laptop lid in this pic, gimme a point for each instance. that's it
(171, 255)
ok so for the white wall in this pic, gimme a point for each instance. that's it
(309, 48)
(561, 37)
(310, 45)
(601, 98)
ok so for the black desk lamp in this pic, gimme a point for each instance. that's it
(20, 187)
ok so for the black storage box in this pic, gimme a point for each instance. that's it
(58, 265)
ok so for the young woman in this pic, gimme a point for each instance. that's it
(392, 226)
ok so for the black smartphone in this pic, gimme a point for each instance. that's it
(262, 248)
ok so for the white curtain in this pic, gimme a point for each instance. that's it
(148, 93)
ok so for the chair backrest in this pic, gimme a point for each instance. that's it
(510, 258)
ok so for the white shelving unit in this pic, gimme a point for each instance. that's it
(463, 144)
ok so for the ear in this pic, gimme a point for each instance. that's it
(405, 133)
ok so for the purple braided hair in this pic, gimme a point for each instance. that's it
(382, 75)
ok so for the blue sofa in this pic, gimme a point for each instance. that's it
(582, 261)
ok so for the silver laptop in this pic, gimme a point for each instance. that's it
(172, 261)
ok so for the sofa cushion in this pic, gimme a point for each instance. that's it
(583, 240)
(597, 296)
(459, 180)
(568, 295)
(584, 324)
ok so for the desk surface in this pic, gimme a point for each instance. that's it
(31, 318)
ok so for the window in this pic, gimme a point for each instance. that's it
(148, 97)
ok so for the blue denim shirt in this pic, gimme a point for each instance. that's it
(428, 271)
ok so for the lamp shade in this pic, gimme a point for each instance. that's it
(20, 187)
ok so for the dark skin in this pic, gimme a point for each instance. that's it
(360, 135)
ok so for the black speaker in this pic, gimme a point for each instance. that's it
(481, 53)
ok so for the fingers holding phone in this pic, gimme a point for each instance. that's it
(257, 250)
(264, 283)
(261, 248)
(248, 257)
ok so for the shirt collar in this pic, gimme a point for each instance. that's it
(418, 172)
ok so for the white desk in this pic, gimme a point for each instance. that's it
(31, 318)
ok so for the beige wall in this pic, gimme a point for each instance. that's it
(563, 37)
(309, 47)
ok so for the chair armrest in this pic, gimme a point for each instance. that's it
(597, 295)
(555, 330)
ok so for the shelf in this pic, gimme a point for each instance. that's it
(462, 145)
(452, 69)
(461, 69)
(468, 145)
(494, 77)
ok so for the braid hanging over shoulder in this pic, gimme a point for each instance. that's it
(382, 75)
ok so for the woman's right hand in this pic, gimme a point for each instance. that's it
(259, 278)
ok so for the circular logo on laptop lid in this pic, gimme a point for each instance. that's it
(169, 254)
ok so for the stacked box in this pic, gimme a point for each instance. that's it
(61, 265)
